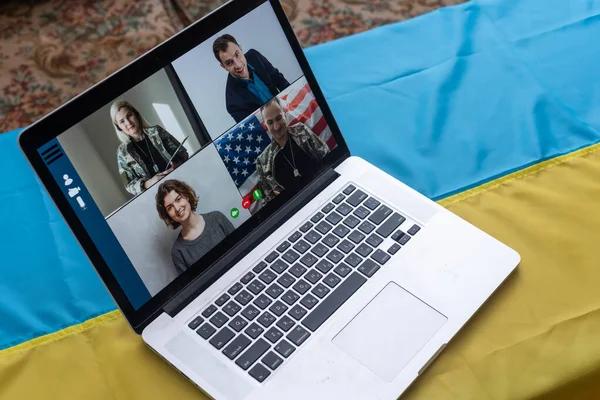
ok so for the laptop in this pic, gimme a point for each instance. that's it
(269, 263)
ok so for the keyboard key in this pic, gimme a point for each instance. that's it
(301, 246)
(297, 312)
(219, 319)
(356, 237)
(397, 235)
(414, 229)
(266, 319)
(196, 322)
(338, 199)
(206, 331)
(324, 266)
(298, 335)
(356, 198)
(235, 288)
(366, 227)
(317, 217)
(327, 209)
(320, 290)
(210, 310)
(271, 257)
(364, 249)
(374, 240)
(274, 290)
(262, 301)
(250, 312)
(222, 299)
(244, 297)
(283, 247)
(394, 248)
(278, 308)
(313, 276)
(268, 276)
(231, 308)
(279, 266)
(351, 221)
(259, 267)
(290, 256)
(295, 236)
(253, 353)
(255, 286)
(302, 286)
(247, 278)
(307, 225)
(323, 227)
(284, 348)
(404, 239)
(323, 311)
(297, 270)
(308, 260)
(341, 230)
(345, 246)
(319, 250)
(290, 297)
(368, 268)
(254, 330)
(273, 335)
(330, 240)
(331, 280)
(238, 345)
(333, 218)
(272, 360)
(361, 212)
(344, 209)
(312, 237)
(371, 203)
(238, 323)
(349, 189)
(380, 256)
(259, 372)
(286, 280)
(285, 323)
(390, 225)
(309, 301)
(221, 338)
(380, 215)
(342, 270)
(335, 256)
(353, 260)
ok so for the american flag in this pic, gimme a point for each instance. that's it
(239, 148)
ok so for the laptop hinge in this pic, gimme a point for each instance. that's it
(198, 285)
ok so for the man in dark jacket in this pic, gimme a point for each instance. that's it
(252, 80)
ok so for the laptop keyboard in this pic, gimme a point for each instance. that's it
(263, 318)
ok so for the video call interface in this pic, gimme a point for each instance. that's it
(181, 160)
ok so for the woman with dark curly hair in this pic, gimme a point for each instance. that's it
(176, 203)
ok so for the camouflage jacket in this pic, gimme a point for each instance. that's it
(132, 168)
(265, 162)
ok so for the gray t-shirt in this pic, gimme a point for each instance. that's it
(186, 252)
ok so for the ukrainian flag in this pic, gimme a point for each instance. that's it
(490, 107)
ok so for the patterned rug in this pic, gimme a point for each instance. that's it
(52, 50)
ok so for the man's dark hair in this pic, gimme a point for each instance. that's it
(268, 103)
(179, 187)
(220, 44)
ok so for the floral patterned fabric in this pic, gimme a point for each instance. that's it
(53, 50)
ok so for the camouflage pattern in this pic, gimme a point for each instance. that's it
(132, 168)
(265, 163)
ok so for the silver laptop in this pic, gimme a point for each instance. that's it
(259, 258)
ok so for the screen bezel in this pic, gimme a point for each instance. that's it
(77, 109)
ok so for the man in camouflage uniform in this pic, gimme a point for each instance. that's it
(294, 153)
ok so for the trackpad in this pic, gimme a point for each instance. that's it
(389, 331)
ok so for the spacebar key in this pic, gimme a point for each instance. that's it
(334, 301)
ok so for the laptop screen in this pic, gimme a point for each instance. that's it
(161, 175)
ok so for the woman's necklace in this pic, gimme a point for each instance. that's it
(149, 155)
